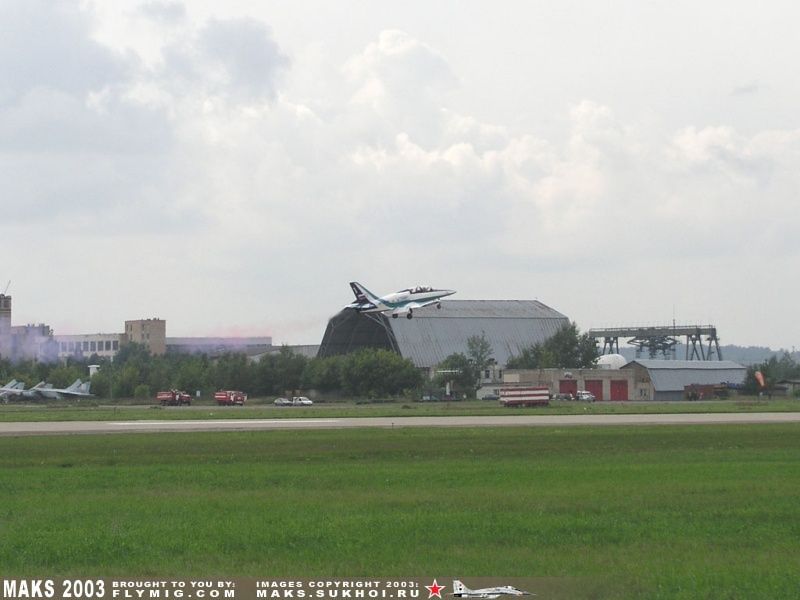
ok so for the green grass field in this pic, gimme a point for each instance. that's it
(64, 411)
(638, 512)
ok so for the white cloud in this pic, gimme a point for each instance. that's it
(48, 45)
(163, 11)
(207, 171)
(236, 59)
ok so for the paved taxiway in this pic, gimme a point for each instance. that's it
(82, 427)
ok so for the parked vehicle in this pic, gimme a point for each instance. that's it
(295, 401)
(173, 398)
(584, 396)
(230, 398)
(698, 391)
(525, 396)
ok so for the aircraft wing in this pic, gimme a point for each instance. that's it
(75, 394)
(415, 305)
(361, 306)
(78, 389)
(427, 303)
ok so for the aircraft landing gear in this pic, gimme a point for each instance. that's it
(439, 305)
(394, 315)
(409, 315)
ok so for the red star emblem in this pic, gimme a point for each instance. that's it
(435, 589)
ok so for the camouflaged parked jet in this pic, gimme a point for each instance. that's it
(78, 389)
(10, 390)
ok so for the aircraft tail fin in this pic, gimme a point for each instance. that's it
(363, 295)
(11, 385)
(20, 385)
(459, 588)
(75, 386)
(84, 388)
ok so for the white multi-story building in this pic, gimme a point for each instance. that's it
(102, 344)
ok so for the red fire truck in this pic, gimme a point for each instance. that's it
(230, 398)
(525, 396)
(173, 398)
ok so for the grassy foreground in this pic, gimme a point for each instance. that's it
(644, 512)
(261, 409)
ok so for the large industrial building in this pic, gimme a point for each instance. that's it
(640, 379)
(668, 379)
(104, 345)
(604, 384)
(151, 333)
(434, 334)
(218, 345)
(24, 342)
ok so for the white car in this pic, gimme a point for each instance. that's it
(584, 396)
(301, 401)
(282, 402)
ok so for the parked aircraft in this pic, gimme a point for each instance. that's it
(78, 389)
(462, 591)
(404, 302)
(11, 389)
(34, 391)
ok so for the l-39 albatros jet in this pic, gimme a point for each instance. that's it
(462, 591)
(404, 302)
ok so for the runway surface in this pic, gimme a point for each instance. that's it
(84, 427)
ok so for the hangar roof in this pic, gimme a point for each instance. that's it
(675, 375)
(434, 334)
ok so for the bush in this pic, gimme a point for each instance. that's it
(141, 392)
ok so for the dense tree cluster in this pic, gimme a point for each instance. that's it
(31, 372)
(463, 371)
(136, 373)
(568, 348)
(773, 370)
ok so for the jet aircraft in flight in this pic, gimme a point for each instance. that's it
(404, 302)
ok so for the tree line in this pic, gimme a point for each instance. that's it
(365, 374)
(370, 373)
(135, 373)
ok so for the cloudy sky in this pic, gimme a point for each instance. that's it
(231, 166)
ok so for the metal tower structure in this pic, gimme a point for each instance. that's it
(663, 340)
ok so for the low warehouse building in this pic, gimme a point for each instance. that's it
(434, 334)
(604, 384)
(668, 379)
(637, 380)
